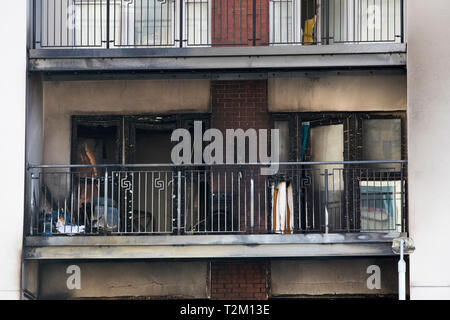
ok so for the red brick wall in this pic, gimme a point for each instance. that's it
(243, 280)
(239, 104)
(233, 22)
(242, 104)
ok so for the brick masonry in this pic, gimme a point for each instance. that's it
(233, 22)
(243, 280)
(242, 104)
(239, 104)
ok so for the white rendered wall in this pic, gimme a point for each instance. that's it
(12, 143)
(429, 147)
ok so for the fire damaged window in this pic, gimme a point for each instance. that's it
(96, 141)
(381, 140)
(124, 199)
(346, 136)
(362, 197)
(127, 139)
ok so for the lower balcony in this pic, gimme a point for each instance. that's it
(214, 211)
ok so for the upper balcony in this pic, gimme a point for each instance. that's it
(102, 35)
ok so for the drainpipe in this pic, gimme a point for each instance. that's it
(402, 246)
(402, 273)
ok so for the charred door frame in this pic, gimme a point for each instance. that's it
(164, 123)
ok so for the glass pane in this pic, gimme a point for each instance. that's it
(380, 204)
(382, 139)
(327, 143)
(283, 126)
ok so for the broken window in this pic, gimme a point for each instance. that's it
(96, 141)
(382, 140)
(364, 197)
(138, 200)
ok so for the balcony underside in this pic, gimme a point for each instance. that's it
(219, 58)
(210, 246)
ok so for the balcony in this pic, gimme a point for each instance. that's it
(168, 211)
(99, 35)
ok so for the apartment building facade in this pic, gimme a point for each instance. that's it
(107, 214)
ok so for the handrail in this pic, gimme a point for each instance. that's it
(173, 165)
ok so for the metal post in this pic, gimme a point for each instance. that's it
(32, 205)
(181, 36)
(105, 217)
(402, 21)
(252, 204)
(179, 203)
(402, 273)
(326, 200)
(327, 32)
(254, 24)
(34, 28)
(108, 22)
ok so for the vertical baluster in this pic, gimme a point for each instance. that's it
(179, 203)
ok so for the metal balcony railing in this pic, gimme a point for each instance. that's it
(203, 23)
(303, 197)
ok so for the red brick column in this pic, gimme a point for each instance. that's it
(242, 280)
(242, 105)
(239, 104)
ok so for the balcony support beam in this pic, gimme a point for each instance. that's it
(209, 246)
(223, 58)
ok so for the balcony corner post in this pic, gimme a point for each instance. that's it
(326, 201)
